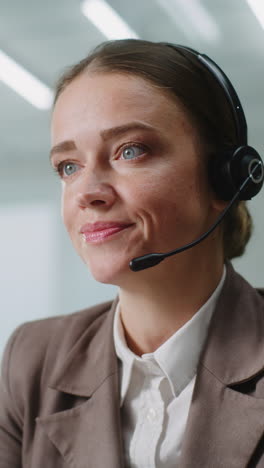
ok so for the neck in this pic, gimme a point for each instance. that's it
(161, 300)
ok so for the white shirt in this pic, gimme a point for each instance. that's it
(156, 390)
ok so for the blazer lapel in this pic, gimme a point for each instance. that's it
(224, 426)
(89, 434)
(225, 423)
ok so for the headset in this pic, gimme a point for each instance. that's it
(228, 171)
(236, 173)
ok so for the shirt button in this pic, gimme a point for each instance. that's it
(151, 415)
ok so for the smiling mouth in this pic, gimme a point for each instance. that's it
(99, 234)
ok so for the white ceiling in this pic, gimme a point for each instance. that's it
(46, 36)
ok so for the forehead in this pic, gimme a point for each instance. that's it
(115, 98)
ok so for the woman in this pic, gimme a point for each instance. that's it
(170, 374)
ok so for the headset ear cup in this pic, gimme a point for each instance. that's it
(220, 175)
(231, 169)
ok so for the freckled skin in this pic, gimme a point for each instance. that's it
(164, 194)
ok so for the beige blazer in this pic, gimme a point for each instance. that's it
(59, 401)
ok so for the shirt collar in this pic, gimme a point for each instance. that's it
(178, 357)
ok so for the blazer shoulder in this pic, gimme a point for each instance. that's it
(31, 340)
(35, 347)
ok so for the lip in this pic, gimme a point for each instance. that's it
(100, 231)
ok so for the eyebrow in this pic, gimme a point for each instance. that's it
(121, 129)
(107, 134)
(68, 145)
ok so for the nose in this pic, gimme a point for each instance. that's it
(96, 194)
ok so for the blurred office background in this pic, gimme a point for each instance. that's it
(40, 274)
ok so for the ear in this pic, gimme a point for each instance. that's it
(217, 204)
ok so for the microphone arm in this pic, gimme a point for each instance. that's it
(152, 259)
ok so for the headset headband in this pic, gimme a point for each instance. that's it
(230, 92)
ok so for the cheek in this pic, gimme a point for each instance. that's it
(67, 210)
(170, 202)
(170, 190)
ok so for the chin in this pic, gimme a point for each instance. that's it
(108, 271)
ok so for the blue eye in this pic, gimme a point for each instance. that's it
(68, 168)
(131, 152)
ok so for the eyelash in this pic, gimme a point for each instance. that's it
(129, 145)
(59, 167)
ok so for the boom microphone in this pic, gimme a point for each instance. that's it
(152, 259)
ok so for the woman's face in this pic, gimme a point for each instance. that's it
(134, 179)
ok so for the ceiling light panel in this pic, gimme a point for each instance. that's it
(257, 6)
(107, 20)
(24, 83)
